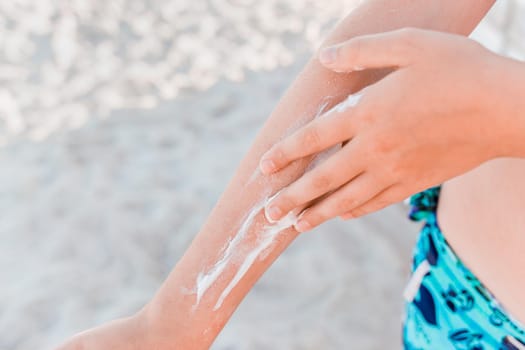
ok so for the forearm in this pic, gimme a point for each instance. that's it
(375, 16)
(189, 318)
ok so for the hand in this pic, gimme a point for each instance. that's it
(436, 116)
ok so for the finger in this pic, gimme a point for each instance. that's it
(390, 195)
(333, 127)
(296, 211)
(352, 194)
(398, 48)
(329, 175)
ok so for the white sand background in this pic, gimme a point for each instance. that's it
(122, 121)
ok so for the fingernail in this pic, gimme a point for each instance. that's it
(273, 212)
(267, 166)
(328, 55)
(302, 225)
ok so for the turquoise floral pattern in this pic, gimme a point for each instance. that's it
(448, 307)
(424, 203)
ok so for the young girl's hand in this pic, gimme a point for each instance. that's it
(449, 106)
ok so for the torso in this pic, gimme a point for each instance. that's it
(482, 216)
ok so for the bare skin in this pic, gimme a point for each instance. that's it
(173, 319)
(482, 215)
(432, 128)
(440, 105)
(482, 211)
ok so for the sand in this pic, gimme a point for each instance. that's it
(113, 155)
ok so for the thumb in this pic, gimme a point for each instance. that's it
(396, 48)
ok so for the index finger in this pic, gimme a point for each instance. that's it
(333, 127)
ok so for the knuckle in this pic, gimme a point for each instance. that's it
(362, 116)
(311, 138)
(396, 169)
(323, 213)
(345, 203)
(321, 181)
(381, 145)
(288, 201)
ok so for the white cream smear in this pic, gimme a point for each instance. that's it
(349, 102)
(206, 279)
(269, 232)
(264, 240)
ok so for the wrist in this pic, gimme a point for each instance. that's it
(167, 326)
(125, 333)
(156, 332)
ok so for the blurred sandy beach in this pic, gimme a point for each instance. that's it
(122, 121)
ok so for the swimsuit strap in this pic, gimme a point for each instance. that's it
(423, 204)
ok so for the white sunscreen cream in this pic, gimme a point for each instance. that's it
(349, 102)
(206, 279)
(264, 240)
(268, 234)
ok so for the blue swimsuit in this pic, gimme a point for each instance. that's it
(446, 306)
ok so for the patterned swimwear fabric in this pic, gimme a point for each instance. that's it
(446, 306)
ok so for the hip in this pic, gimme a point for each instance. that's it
(446, 304)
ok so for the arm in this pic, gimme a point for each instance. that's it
(186, 316)
(172, 310)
